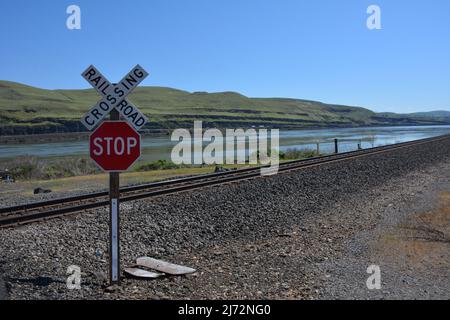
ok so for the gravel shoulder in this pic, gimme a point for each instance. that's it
(307, 234)
(410, 242)
(3, 290)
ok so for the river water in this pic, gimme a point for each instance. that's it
(155, 148)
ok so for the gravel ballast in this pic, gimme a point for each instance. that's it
(305, 234)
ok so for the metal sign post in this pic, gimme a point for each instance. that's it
(114, 219)
(114, 145)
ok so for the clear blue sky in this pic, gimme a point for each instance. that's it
(315, 49)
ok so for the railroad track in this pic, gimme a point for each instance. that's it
(38, 211)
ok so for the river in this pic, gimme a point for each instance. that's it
(155, 148)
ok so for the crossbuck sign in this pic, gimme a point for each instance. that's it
(114, 145)
(114, 96)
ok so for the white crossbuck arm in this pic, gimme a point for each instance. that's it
(114, 96)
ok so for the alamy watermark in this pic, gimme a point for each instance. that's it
(73, 22)
(238, 146)
(73, 281)
(374, 281)
(374, 20)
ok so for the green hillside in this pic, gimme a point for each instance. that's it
(432, 114)
(25, 109)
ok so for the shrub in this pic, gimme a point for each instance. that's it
(293, 154)
(158, 165)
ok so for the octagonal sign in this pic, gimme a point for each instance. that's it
(115, 146)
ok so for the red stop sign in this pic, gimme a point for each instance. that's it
(115, 146)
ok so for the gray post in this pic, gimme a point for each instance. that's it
(336, 146)
(114, 220)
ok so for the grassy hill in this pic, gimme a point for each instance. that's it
(25, 110)
(444, 115)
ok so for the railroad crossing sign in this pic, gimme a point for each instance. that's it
(115, 146)
(114, 96)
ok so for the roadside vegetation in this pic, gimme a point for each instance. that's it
(159, 165)
(294, 154)
(35, 168)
